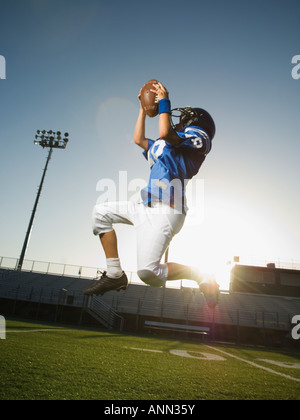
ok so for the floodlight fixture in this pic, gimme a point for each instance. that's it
(51, 139)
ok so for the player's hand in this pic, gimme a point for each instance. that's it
(139, 97)
(160, 91)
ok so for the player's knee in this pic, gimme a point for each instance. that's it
(101, 221)
(150, 277)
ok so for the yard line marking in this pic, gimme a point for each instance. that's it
(283, 375)
(287, 365)
(151, 350)
(37, 330)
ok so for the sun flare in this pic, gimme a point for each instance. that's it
(226, 228)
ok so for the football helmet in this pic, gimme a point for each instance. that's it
(195, 116)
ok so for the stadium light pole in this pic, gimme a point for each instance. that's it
(52, 140)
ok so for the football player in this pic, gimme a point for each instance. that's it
(174, 159)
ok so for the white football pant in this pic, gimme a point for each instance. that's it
(155, 227)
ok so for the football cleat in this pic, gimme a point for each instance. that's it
(105, 284)
(211, 292)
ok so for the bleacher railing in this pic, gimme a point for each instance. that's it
(78, 271)
(49, 267)
(252, 260)
(59, 269)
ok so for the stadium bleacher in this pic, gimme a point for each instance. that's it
(267, 279)
(129, 309)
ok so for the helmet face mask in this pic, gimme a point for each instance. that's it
(194, 117)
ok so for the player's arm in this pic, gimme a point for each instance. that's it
(139, 133)
(166, 131)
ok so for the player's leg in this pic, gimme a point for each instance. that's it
(104, 217)
(153, 238)
(109, 243)
(155, 230)
(110, 247)
(179, 272)
(207, 284)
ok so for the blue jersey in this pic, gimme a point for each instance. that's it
(173, 165)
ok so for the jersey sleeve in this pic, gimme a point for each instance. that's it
(195, 138)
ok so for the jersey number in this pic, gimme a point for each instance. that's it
(197, 142)
(156, 151)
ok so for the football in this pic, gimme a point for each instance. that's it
(149, 99)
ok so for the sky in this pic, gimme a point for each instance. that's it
(78, 65)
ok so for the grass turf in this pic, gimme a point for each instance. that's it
(88, 364)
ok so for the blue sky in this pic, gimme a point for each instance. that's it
(77, 66)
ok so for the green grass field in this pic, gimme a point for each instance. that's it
(39, 361)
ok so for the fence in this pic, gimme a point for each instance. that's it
(68, 270)
(49, 268)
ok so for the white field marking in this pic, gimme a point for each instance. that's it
(204, 356)
(255, 364)
(37, 330)
(288, 365)
(151, 350)
(185, 353)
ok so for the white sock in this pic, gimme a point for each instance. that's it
(114, 269)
